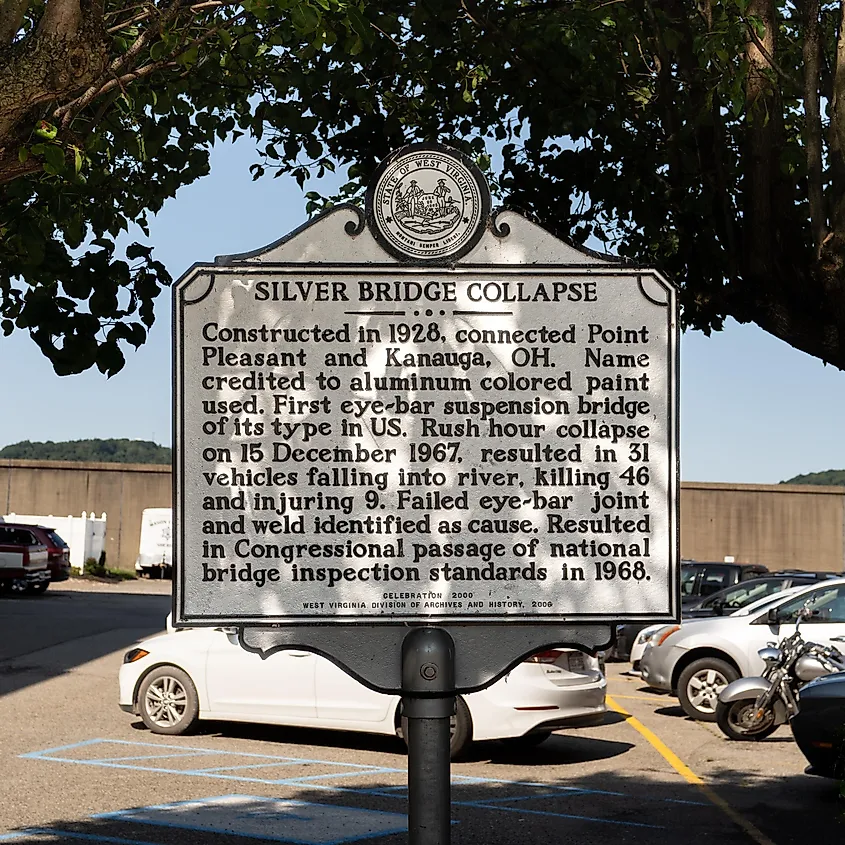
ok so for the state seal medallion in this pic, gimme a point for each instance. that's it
(428, 203)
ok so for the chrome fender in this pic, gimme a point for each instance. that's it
(744, 688)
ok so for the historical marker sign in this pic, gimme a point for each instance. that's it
(361, 439)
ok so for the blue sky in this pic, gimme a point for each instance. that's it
(753, 409)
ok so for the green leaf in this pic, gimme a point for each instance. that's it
(55, 156)
(158, 51)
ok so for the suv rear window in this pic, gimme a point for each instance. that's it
(17, 536)
(55, 539)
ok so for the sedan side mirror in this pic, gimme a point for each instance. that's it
(718, 608)
(772, 617)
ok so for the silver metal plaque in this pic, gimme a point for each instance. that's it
(360, 440)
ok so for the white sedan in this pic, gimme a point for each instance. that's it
(173, 680)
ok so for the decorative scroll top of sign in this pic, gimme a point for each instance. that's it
(428, 203)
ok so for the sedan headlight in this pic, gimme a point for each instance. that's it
(663, 634)
(134, 654)
(647, 634)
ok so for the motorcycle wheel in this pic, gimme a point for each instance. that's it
(737, 721)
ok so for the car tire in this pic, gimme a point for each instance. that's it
(167, 701)
(18, 587)
(699, 686)
(460, 730)
(38, 589)
(730, 717)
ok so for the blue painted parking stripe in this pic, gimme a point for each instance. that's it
(65, 747)
(229, 773)
(154, 756)
(492, 802)
(250, 766)
(465, 779)
(310, 778)
(44, 754)
(134, 815)
(523, 810)
(72, 834)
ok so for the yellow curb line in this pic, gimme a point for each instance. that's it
(689, 775)
(659, 698)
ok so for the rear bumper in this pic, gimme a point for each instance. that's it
(39, 576)
(59, 571)
(509, 709)
(585, 720)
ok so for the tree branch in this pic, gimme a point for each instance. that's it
(767, 53)
(197, 7)
(762, 121)
(69, 110)
(813, 124)
(11, 18)
(61, 19)
(837, 128)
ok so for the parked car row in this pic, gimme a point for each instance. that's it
(760, 643)
(176, 679)
(31, 556)
(173, 680)
(711, 589)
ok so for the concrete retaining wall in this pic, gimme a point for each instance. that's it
(782, 526)
(121, 490)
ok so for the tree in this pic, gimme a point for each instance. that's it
(107, 107)
(687, 135)
(706, 138)
(107, 451)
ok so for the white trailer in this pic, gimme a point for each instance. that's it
(155, 553)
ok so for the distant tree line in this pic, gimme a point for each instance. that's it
(833, 477)
(120, 451)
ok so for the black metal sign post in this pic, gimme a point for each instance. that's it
(425, 441)
(428, 704)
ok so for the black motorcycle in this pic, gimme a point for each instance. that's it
(754, 707)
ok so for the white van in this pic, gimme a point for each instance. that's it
(155, 553)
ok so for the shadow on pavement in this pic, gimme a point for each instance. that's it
(42, 637)
(675, 710)
(591, 809)
(565, 748)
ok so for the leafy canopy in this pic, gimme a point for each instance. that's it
(705, 138)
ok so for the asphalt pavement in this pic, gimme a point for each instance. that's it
(76, 768)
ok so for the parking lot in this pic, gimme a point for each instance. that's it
(76, 768)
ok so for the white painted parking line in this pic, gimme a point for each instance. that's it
(276, 819)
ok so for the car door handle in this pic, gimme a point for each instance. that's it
(838, 639)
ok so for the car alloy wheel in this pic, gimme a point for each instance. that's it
(167, 701)
(703, 689)
(700, 684)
